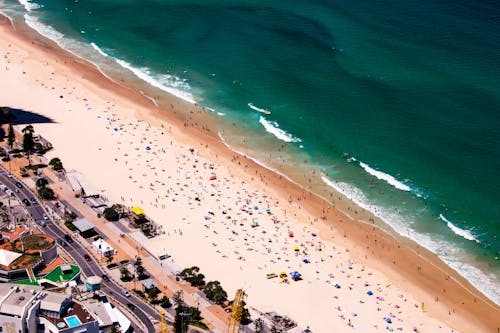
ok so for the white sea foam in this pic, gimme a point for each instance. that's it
(98, 49)
(456, 258)
(165, 82)
(43, 29)
(386, 177)
(253, 107)
(461, 232)
(273, 128)
(30, 5)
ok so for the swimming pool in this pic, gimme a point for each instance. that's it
(73, 321)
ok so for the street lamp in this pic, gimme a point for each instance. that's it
(182, 315)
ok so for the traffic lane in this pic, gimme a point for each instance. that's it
(77, 252)
(92, 268)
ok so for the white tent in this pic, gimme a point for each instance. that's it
(7, 257)
(103, 248)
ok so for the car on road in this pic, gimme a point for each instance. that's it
(9, 175)
(18, 184)
(87, 257)
(26, 202)
(33, 201)
(68, 238)
(126, 293)
(42, 223)
(9, 192)
(61, 242)
(45, 217)
(131, 306)
(164, 256)
(105, 277)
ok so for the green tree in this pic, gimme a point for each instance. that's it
(41, 182)
(56, 164)
(110, 214)
(46, 193)
(153, 295)
(165, 302)
(181, 320)
(11, 137)
(28, 142)
(139, 269)
(178, 299)
(259, 325)
(125, 275)
(214, 292)
(193, 276)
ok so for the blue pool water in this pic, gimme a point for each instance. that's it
(73, 321)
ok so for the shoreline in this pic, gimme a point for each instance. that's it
(407, 257)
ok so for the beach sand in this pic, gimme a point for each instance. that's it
(245, 223)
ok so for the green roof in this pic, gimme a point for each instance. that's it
(55, 276)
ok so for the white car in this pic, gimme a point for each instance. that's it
(45, 217)
(126, 293)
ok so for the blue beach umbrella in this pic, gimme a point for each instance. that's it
(369, 293)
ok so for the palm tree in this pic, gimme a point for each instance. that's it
(11, 137)
(28, 142)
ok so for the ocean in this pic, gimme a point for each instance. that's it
(396, 104)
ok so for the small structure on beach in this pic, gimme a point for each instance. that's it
(85, 228)
(103, 248)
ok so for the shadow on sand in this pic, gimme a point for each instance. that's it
(20, 117)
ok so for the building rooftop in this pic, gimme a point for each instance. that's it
(76, 310)
(15, 298)
(53, 301)
(83, 225)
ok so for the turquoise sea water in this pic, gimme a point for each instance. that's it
(396, 103)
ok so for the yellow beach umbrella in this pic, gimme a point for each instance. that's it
(296, 248)
(137, 210)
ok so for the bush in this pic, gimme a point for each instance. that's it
(139, 293)
(41, 182)
(46, 193)
(56, 164)
(110, 214)
(70, 225)
(112, 265)
(165, 302)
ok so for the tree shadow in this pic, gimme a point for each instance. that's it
(20, 117)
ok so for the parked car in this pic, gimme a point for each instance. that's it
(33, 201)
(87, 257)
(131, 306)
(68, 238)
(26, 202)
(126, 293)
(105, 277)
(164, 256)
(18, 184)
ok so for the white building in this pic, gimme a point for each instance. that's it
(28, 309)
(103, 248)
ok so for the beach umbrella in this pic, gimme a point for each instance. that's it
(296, 248)
(148, 148)
(256, 207)
(290, 235)
(337, 286)
(388, 320)
(369, 293)
(306, 261)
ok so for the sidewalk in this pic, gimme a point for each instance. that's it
(128, 247)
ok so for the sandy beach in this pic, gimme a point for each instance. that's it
(226, 214)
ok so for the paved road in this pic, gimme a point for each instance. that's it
(144, 311)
